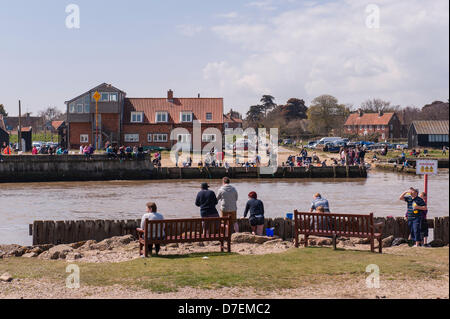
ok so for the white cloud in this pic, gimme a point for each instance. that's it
(189, 30)
(326, 48)
(229, 15)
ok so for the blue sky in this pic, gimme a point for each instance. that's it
(238, 50)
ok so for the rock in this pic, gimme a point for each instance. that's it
(6, 277)
(44, 255)
(437, 243)
(249, 238)
(199, 244)
(88, 245)
(78, 244)
(273, 242)
(360, 241)
(387, 242)
(73, 256)
(399, 241)
(30, 255)
(172, 245)
(114, 242)
(324, 242)
(59, 252)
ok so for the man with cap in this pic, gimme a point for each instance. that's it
(415, 205)
(207, 201)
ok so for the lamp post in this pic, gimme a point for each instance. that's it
(96, 97)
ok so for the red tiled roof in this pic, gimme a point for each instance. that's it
(198, 106)
(57, 124)
(227, 119)
(369, 119)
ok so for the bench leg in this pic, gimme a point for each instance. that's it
(221, 246)
(306, 240)
(229, 245)
(141, 249)
(380, 245)
(146, 249)
(334, 241)
(297, 241)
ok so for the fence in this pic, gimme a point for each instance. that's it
(66, 232)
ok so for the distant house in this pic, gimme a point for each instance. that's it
(428, 134)
(4, 136)
(146, 121)
(36, 122)
(232, 120)
(387, 125)
(61, 128)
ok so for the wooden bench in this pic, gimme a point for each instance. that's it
(337, 225)
(184, 231)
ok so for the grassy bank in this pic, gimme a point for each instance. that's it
(292, 269)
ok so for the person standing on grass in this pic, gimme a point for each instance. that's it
(157, 232)
(424, 224)
(413, 213)
(256, 209)
(227, 197)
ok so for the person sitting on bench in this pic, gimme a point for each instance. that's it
(152, 214)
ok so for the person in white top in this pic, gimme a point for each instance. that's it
(157, 233)
(81, 149)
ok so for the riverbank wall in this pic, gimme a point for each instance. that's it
(67, 232)
(44, 168)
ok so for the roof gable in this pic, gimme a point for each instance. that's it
(102, 87)
(431, 127)
(369, 119)
(198, 106)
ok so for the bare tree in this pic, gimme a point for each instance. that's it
(378, 105)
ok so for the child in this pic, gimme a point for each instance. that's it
(256, 209)
(424, 225)
(157, 233)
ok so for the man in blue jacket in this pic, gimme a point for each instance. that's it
(207, 201)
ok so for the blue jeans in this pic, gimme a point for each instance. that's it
(414, 228)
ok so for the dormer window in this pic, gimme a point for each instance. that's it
(137, 117)
(209, 116)
(186, 117)
(162, 117)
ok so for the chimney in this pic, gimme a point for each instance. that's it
(380, 113)
(170, 95)
(199, 95)
(360, 111)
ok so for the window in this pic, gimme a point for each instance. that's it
(79, 108)
(162, 117)
(226, 125)
(84, 138)
(208, 138)
(86, 108)
(446, 138)
(72, 108)
(132, 138)
(209, 116)
(159, 138)
(391, 127)
(186, 116)
(113, 97)
(149, 138)
(104, 97)
(137, 117)
(378, 127)
(184, 138)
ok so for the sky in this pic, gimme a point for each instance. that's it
(352, 49)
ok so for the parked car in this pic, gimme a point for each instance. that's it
(311, 145)
(401, 146)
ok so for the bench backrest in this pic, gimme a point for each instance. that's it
(339, 224)
(186, 230)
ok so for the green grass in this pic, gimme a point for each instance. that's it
(40, 137)
(294, 268)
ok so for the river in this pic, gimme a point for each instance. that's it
(21, 204)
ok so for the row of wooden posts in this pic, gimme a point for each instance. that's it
(66, 232)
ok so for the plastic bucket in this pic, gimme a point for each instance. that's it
(269, 232)
(290, 216)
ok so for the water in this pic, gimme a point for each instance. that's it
(21, 204)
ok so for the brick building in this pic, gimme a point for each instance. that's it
(232, 120)
(141, 121)
(387, 125)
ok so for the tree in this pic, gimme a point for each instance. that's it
(50, 114)
(378, 105)
(2, 110)
(254, 114)
(435, 111)
(267, 103)
(295, 109)
(325, 114)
